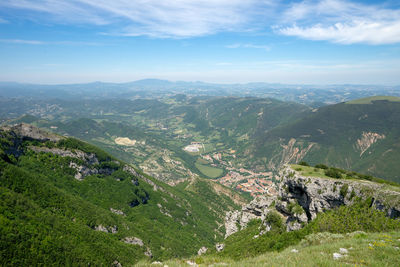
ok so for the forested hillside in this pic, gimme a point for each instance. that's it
(65, 202)
(362, 135)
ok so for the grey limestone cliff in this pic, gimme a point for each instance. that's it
(301, 198)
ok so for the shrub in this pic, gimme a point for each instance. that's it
(275, 221)
(356, 217)
(295, 208)
(343, 190)
(353, 194)
(321, 166)
(334, 173)
(303, 163)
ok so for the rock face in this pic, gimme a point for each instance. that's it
(202, 250)
(301, 198)
(293, 151)
(256, 209)
(368, 139)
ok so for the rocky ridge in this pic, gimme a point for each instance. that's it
(301, 198)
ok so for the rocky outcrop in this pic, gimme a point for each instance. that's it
(30, 132)
(256, 209)
(219, 247)
(82, 171)
(110, 229)
(367, 140)
(101, 228)
(89, 158)
(301, 198)
(119, 212)
(89, 161)
(148, 253)
(202, 250)
(133, 241)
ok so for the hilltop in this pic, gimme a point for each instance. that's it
(370, 100)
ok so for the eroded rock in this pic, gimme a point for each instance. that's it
(133, 241)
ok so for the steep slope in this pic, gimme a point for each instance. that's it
(361, 137)
(65, 202)
(340, 221)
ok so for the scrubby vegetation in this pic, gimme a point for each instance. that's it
(344, 219)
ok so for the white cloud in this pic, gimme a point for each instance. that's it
(255, 46)
(356, 32)
(168, 18)
(342, 22)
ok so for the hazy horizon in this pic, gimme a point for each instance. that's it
(205, 82)
(216, 41)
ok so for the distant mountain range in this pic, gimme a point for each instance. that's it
(307, 94)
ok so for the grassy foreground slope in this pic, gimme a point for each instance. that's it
(363, 249)
(49, 217)
(356, 235)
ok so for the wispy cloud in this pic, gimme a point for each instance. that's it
(3, 21)
(37, 42)
(255, 46)
(168, 18)
(342, 22)
(338, 21)
(18, 41)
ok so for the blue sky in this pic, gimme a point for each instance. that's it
(226, 41)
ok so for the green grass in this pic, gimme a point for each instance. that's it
(209, 171)
(309, 171)
(347, 175)
(318, 252)
(202, 161)
(368, 100)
